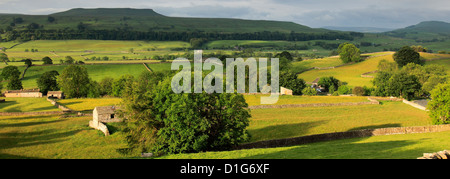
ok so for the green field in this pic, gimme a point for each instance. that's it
(26, 105)
(267, 124)
(88, 104)
(253, 100)
(407, 146)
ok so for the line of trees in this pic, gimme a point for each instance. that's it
(40, 34)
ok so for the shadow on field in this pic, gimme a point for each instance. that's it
(345, 149)
(283, 130)
(375, 126)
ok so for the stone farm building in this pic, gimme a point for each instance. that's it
(55, 94)
(106, 114)
(23, 94)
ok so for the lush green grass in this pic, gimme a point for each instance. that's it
(88, 104)
(405, 146)
(269, 124)
(26, 105)
(253, 100)
(53, 137)
(96, 72)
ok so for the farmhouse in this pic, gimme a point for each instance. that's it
(23, 93)
(106, 114)
(55, 94)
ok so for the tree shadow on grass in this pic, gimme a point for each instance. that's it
(283, 131)
(344, 149)
(375, 126)
(11, 140)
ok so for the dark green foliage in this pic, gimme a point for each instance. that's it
(14, 83)
(120, 85)
(9, 72)
(309, 91)
(163, 122)
(28, 62)
(439, 105)
(358, 91)
(47, 61)
(74, 81)
(284, 54)
(47, 82)
(404, 85)
(407, 55)
(327, 82)
(291, 81)
(4, 58)
(105, 86)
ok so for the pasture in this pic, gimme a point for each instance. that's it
(26, 105)
(88, 104)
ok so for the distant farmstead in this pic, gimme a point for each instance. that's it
(55, 94)
(23, 94)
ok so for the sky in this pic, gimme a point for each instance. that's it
(312, 13)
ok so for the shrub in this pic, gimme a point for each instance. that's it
(309, 91)
(407, 55)
(358, 91)
(344, 89)
(439, 105)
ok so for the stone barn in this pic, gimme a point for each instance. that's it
(23, 94)
(285, 91)
(55, 94)
(106, 114)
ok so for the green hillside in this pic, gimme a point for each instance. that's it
(144, 20)
(424, 32)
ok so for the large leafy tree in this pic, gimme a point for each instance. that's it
(74, 81)
(439, 105)
(162, 122)
(406, 55)
(404, 85)
(47, 82)
(349, 53)
(9, 72)
(327, 82)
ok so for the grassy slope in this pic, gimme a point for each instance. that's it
(408, 146)
(269, 124)
(26, 105)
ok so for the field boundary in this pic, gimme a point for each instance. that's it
(30, 113)
(343, 135)
(371, 101)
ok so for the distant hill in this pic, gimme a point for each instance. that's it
(427, 30)
(145, 20)
(359, 29)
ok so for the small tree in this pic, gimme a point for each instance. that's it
(403, 85)
(47, 61)
(14, 83)
(10, 71)
(439, 105)
(291, 81)
(4, 58)
(358, 91)
(309, 91)
(407, 55)
(350, 53)
(327, 82)
(47, 82)
(28, 62)
(344, 89)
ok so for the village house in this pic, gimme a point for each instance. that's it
(55, 94)
(23, 93)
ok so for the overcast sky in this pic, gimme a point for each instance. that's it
(313, 13)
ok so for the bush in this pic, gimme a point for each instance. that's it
(358, 91)
(344, 89)
(335, 93)
(407, 55)
(309, 91)
(439, 105)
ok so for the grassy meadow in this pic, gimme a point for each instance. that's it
(88, 104)
(26, 105)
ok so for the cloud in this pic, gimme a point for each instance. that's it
(314, 13)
